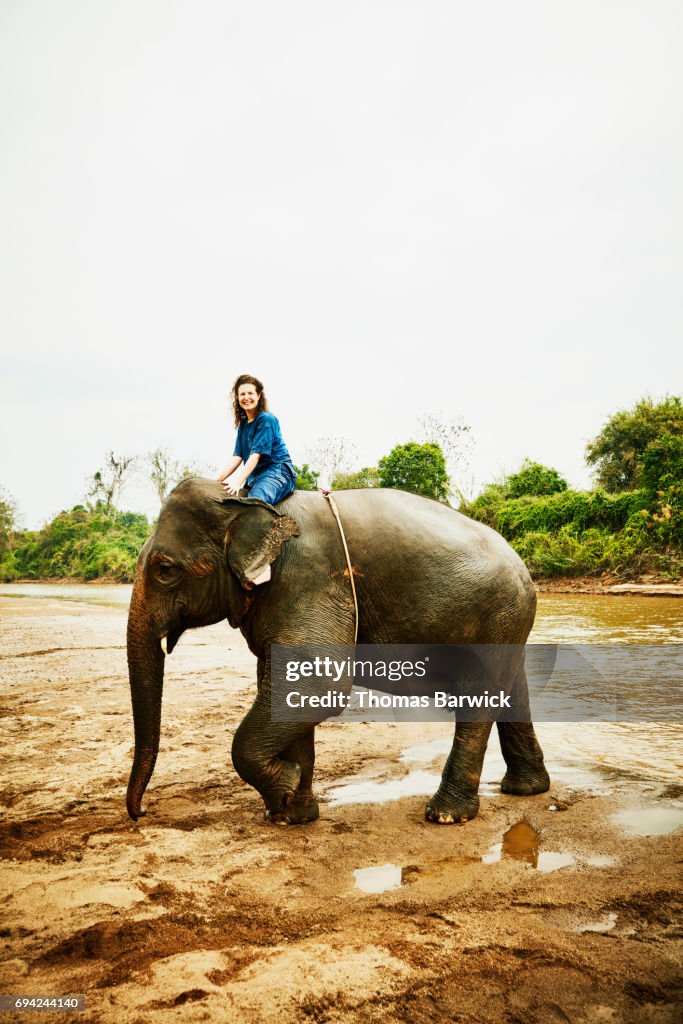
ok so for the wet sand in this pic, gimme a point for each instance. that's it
(544, 909)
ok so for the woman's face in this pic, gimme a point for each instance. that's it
(248, 398)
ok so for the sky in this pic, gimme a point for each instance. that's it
(381, 209)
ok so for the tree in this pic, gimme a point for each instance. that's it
(107, 484)
(663, 464)
(329, 456)
(533, 478)
(8, 520)
(454, 438)
(161, 469)
(617, 453)
(166, 472)
(420, 468)
(663, 483)
(80, 544)
(306, 478)
(366, 477)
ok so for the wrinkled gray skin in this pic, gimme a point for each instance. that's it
(423, 572)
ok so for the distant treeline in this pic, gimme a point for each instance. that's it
(577, 533)
(632, 524)
(83, 544)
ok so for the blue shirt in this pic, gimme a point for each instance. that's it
(262, 435)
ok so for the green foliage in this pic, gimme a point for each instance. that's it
(535, 479)
(618, 452)
(420, 468)
(454, 438)
(531, 480)
(562, 553)
(8, 521)
(81, 544)
(575, 533)
(580, 509)
(663, 464)
(366, 477)
(485, 507)
(306, 478)
(626, 554)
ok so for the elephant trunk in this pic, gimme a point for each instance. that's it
(146, 674)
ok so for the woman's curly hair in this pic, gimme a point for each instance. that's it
(246, 378)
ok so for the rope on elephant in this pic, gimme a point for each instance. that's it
(335, 510)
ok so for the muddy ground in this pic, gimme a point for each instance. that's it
(203, 911)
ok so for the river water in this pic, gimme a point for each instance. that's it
(561, 618)
(583, 753)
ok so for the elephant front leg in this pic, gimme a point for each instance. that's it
(303, 807)
(457, 798)
(262, 752)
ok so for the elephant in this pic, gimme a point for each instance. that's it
(423, 573)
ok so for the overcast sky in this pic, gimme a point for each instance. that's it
(379, 208)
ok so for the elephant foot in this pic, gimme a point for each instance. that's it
(300, 810)
(282, 795)
(447, 810)
(526, 783)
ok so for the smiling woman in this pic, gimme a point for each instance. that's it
(260, 457)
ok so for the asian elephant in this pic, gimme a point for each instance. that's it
(424, 574)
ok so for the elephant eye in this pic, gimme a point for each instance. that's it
(166, 572)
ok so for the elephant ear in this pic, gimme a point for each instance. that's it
(255, 537)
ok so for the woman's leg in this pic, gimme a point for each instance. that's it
(273, 485)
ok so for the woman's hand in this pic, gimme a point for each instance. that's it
(233, 486)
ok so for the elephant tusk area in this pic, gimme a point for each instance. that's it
(164, 645)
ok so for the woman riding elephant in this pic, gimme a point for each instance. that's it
(260, 458)
(424, 574)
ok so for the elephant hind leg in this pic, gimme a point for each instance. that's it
(457, 798)
(526, 773)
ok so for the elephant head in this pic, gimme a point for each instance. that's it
(198, 568)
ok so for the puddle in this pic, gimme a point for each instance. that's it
(600, 861)
(563, 770)
(380, 879)
(423, 783)
(650, 821)
(606, 925)
(494, 855)
(423, 753)
(550, 861)
(579, 759)
(522, 842)
(368, 792)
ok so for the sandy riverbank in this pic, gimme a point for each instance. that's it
(203, 911)
(610, 587)
(649, 587)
